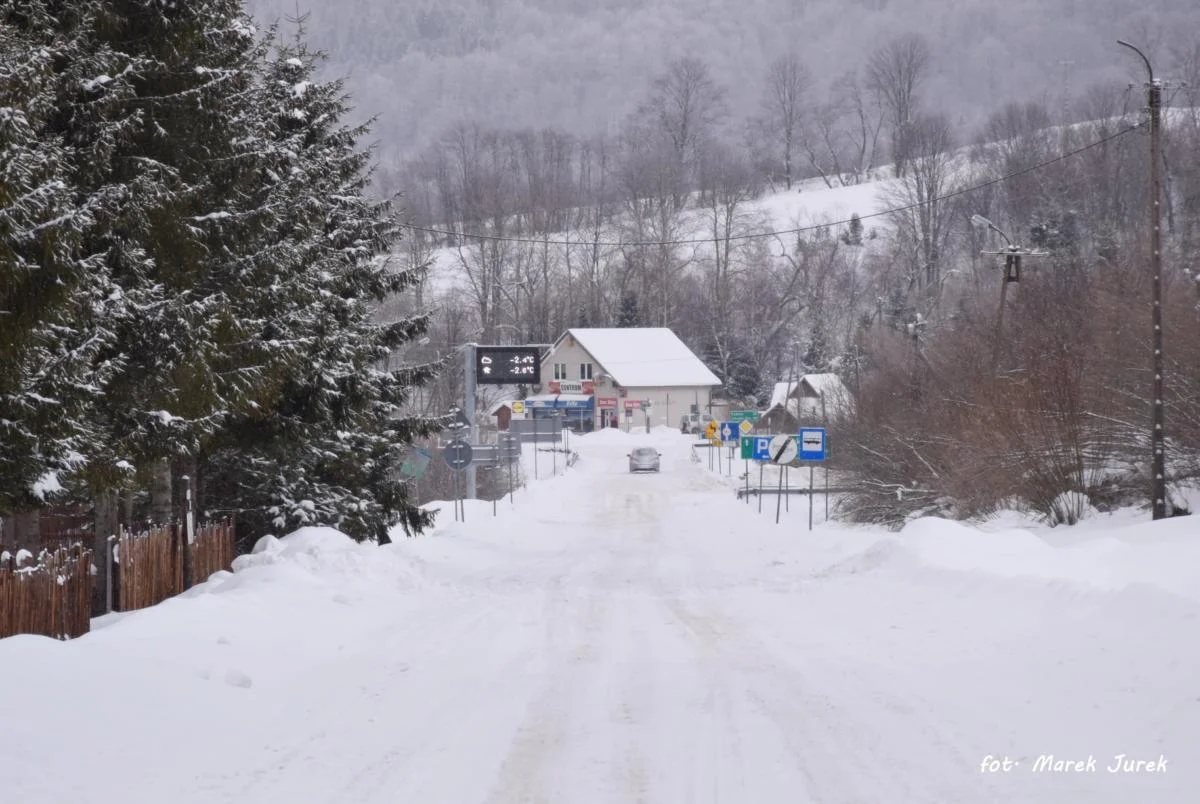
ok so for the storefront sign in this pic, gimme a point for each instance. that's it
(572, 386)
(606, 402)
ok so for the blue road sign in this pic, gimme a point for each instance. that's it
(756, 448)
(813, 444)
(730, 433)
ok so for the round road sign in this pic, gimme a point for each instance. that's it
(783, 449)
(457, 454)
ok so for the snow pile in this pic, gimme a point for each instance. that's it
(314, 556)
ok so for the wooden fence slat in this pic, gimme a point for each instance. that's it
(50, 597)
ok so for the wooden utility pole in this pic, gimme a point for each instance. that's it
(1158, 479)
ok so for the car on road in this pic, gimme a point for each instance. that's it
(644, 459)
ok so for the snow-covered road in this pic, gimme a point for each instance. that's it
(618, 638)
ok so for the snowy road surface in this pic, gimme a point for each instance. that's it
(618, 638)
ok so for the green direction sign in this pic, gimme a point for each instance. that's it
(416, 463)
(743, 416)
(747, 448)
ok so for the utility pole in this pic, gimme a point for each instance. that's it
(469, 411)
(1158, 479)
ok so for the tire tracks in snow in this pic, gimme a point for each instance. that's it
(829, 715)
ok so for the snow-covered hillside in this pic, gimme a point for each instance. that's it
(610, 638)
(810, 203)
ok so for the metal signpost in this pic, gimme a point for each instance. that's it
(782, 451)
(755, 448)
(813, 448)
(510, 448)
(730, 435)
(710, 434)
(745, 420)
(457, 455)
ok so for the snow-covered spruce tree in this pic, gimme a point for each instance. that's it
(54, 79)
(178, 249)
(326, 447)
(627, 313)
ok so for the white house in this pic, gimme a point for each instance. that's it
(618, 376)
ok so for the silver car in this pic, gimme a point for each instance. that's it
(644, 459)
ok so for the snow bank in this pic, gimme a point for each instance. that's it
(1162, 556)
(315, 556)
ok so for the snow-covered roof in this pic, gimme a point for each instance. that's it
(643, 357)
(830, 386)
(503, 403)
(827, 384)
(780, 392)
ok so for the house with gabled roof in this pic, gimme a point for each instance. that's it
(814, 399)
(622, 377)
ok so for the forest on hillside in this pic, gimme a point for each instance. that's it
(424, 65)
(964, 404)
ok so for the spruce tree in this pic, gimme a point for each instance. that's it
(327, 446)
(628, 316)
(54, 292)
(183, 357)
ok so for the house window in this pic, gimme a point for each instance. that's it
(585, 371)
(560, 371)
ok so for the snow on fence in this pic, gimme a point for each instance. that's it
(150, 566)
(50, 596)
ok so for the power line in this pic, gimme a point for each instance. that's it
(780, 232)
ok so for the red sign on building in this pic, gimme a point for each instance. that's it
(606, 402)
(572, 386)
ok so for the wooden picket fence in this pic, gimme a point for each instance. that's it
(51, 596)
(149, 564)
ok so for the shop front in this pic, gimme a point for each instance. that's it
(577, 410)
(607, 408)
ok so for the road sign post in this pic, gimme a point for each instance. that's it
(783, 450)
(457, 455)
(814, 448)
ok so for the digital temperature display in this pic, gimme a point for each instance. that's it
(505, 365)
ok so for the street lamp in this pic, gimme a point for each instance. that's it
(1012, 273)
(1158, 481)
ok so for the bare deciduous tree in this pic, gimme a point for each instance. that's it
(924, 222)
(686, 106)
(894, 74)
(842, 137)
(782, 112)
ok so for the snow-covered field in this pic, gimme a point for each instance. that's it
(618, 638)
